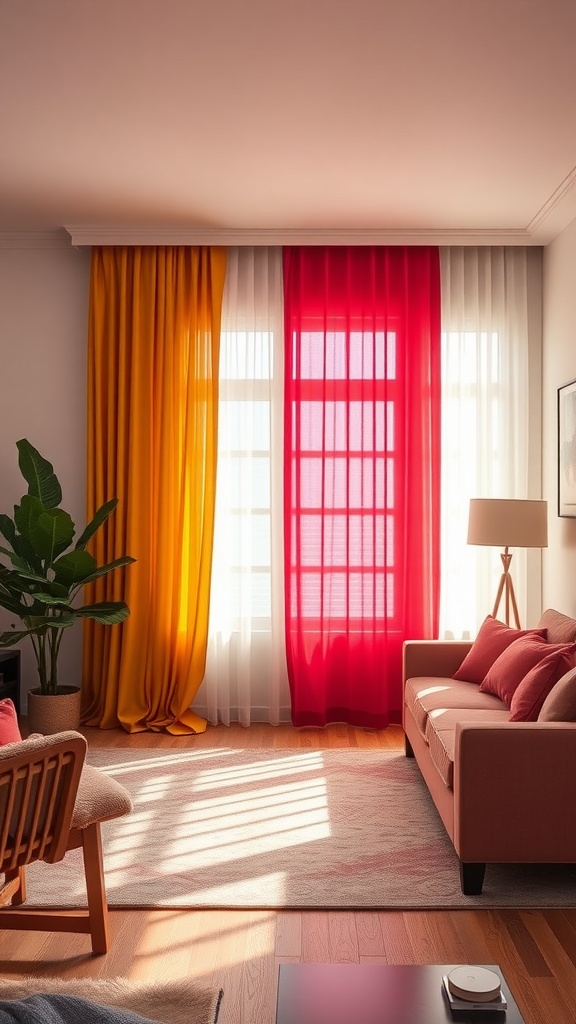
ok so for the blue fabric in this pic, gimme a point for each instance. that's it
(59, 1009)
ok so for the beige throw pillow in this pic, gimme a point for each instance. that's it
(560, 704)
(561, 628)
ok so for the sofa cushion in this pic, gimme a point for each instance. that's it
(560, 704)
(561, 629)
(441, 736)
(432, 693)
(9, 729)
(515, 662)
(493, 638)
(448, 718)
(531, 693)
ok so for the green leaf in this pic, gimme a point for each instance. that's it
(104, 569)
(11, 603)
(19, 563)
(101, 516)
(22, 580)
(40, 619)
(52, 599)
(74, 567)
(109, 613)
(16, 635)
(7, 528)
(27, 513)
(23, 553)
(11, 580)
(38, 474)
(52, 533)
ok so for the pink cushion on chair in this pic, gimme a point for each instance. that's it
(514, 663)
(531, 693)
(9, 729)
(493, 638)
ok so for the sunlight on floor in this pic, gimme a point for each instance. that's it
(226, 815)
(220, 937)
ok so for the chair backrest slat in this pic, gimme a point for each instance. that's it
(37, 794)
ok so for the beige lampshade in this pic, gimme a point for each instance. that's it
(508, 523)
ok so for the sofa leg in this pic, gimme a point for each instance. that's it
(472, 878)
(408, 747)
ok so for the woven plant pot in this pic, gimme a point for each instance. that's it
(54, 712)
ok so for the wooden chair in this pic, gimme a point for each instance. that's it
(52, 802)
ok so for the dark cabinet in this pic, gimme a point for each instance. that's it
(10, 677)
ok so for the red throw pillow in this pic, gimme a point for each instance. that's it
(9, 730)
(530, 695)
(493, 638)
(514, 663)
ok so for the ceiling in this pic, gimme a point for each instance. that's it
(256, 120)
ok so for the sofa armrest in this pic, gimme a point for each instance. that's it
(433, 657)
(514, 785)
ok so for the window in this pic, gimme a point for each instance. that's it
(344, 482)
(241, 579)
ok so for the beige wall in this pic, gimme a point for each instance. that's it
(44, 298)
(44, 302)
(559, 367)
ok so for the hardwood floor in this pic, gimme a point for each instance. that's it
(240, 951)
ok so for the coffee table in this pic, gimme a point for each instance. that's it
(376, 994)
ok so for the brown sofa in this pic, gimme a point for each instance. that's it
(504, 790)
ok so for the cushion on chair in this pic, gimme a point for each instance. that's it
(99, 797)
(37, 741)
(9, 729)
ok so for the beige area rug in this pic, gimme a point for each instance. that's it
(283, 828)
(177, 1002)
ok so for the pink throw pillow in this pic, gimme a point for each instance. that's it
(9, 730)
(493, 638)
(531, 693)
(514, 663)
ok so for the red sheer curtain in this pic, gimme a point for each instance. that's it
(361, 475)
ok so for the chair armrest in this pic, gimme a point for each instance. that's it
(433, 657)
(514, 785)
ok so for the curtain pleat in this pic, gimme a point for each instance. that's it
(485, 419)
(246, 677)
(154, 327)
(361, 475)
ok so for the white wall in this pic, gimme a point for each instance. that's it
(43, 324)
(558, 367)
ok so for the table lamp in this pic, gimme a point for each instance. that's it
(508, 523)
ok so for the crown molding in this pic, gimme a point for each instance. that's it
(556, 213)
(113, 234)
(56, 239)
(553, 216)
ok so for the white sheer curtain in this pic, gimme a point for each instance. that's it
(485, 420)
(245, 677)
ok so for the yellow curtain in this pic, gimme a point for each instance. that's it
(153, 344)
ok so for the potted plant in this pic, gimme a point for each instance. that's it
(47, 568)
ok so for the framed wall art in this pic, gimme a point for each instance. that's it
(567, 450)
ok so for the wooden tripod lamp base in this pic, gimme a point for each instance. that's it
(506, 591)
(508, 523)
